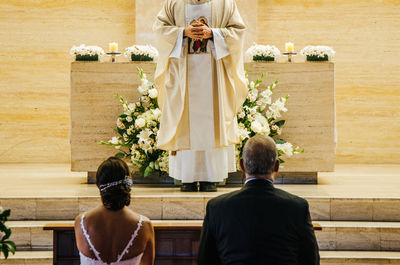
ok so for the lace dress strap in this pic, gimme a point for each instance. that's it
(85, 233)
(134, 235)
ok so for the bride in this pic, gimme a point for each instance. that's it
(112, 233)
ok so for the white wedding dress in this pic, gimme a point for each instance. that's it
(89, 261)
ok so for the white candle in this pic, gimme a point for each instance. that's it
(113, 46)
(289, 47)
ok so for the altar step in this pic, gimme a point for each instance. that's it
(29, 258)
(374, 236)
(327, 258)
(177, 206)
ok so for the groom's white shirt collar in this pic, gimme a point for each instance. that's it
(250, 179)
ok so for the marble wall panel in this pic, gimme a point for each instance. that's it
(366, 38)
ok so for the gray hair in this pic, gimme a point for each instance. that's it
(259, 155)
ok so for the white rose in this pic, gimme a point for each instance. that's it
(153, 93)
(140, 123)
(129, 118)
(256, 127)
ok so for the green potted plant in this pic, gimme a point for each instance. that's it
(6, 245)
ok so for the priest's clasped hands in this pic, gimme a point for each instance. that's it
(198, 31)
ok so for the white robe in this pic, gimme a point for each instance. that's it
(203, 162)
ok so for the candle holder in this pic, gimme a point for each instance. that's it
(113, 56)
(289, 55)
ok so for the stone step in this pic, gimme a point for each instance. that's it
(178, 206)
(327, 258)
(335, 235)
(29, 258)
(29, 235)
(355, 235)
(359, 257)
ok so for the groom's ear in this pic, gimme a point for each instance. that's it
(276, 166)
(242, 165)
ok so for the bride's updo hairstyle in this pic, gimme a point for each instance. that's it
(113, 179)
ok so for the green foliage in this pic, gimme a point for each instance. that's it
(317, 58)
(263, 58)
(6, 246)
(87, 57)
(141, 58)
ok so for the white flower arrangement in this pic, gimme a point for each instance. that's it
(86, 53)
(317, 53)
(262, 53)
(259, 115)
(141, 53)
(137, 131)
(138, 126)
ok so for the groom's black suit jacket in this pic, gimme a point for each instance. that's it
(258, 224)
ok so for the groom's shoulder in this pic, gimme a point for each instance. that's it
(291, 198)
(223, 198)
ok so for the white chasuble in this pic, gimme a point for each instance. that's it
(200, 155)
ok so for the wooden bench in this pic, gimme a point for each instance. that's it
(176, 242)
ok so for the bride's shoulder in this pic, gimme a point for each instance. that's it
(136, 218)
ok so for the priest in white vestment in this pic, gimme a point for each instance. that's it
(202, 86)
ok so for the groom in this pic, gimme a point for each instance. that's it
(258, 224)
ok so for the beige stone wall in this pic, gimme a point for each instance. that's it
(366, 37)
(36, 36)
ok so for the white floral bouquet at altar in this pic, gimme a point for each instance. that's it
(317, 53)
(138, 126)
(259, 115)
(262, 53)
(86, 53)
(141, 53)
(137, 131)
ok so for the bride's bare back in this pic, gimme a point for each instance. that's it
(110, 232)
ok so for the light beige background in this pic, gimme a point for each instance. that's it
(35, 38)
